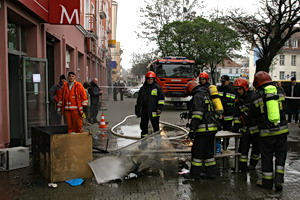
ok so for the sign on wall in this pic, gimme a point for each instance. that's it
(64, 12)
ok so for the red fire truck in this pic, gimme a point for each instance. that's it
(173, 73)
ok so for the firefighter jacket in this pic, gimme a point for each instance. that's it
(94, 92)
(206, 85)
(150, 100)
(74, 99)
(54, 92)
(201, 112)
(241, 118)
(259, 113)
(227, 96)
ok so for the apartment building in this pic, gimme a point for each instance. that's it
(285, 65)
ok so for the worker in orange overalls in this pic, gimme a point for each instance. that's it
(72, 101)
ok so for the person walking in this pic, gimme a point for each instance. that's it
(87, 115)
(267, 109)
(241, 120)
(292, 90)
(115, 91)
(72, 102)
(203, 128)
(95, 93)
(149, 105)
(54, 91)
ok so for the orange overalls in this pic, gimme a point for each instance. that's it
(71, 102)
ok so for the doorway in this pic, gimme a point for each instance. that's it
(28, 99)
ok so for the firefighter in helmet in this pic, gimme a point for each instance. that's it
(267, 108)
(203, 129)
(149, 104)
(241, 124)
(204, 79)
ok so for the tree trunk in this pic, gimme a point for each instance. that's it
(262, 65)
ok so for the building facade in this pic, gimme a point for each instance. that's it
(285, 65)
(34, 53)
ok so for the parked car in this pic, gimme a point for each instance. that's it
(133, 92)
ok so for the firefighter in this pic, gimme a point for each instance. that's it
(149, 104)
(204, 79)
(227, 96)
(203, 128)
(267, 108)
(72, 101)
(241, 124)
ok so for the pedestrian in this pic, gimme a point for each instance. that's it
(149, 105)
(204, 79)
(227, 96)
(115, 91)
(54, 91)
(72, 102)
(203, 128)
(292, 104)
(267, 108)
(121, 85)
(87, 115)
(241, 123)
(95, 93)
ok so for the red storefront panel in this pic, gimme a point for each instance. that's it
(39, 7)
(64, 12)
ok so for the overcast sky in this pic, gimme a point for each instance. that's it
(128, 19)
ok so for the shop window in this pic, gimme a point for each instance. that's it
(16, 37)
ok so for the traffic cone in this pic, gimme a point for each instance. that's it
(102, 122)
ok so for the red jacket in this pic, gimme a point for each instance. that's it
(72, 99)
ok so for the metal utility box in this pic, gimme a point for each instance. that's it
(60, 156)
(14, 158)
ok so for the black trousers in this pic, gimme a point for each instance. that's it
(94, 112)
(203, 150)
(245, 142)
(144, 124)
(269, 146)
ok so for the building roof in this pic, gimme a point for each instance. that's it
(228, 62)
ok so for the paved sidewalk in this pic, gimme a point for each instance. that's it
(28, 184)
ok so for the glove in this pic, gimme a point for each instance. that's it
(191, 135)
(158, 112)
(84, 109)
(59, 111)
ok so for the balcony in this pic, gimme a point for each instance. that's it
(90, 26)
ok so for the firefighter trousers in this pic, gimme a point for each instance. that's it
(144, 124)
(203, 155)
(246, 141)
(74, 121)
(269, 146)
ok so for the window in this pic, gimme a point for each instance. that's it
(286, 44)
(230, 71)
(293, 74)
(68, 60)
(281, 60)
(281, 75)
(294, 43)
(293, 60)
(237, 71)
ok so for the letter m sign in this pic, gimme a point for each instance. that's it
(64, 12)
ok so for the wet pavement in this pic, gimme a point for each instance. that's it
(26, 183)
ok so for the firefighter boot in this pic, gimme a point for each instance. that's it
(209, 173)
(191, 176)
(278, 186)
(268, 184)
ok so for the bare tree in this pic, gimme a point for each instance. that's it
(268, 29)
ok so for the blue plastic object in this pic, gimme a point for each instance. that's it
(218, 147)
(75, 182)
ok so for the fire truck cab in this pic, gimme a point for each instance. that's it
(173, 73)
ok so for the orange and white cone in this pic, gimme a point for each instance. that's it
(102, 122)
